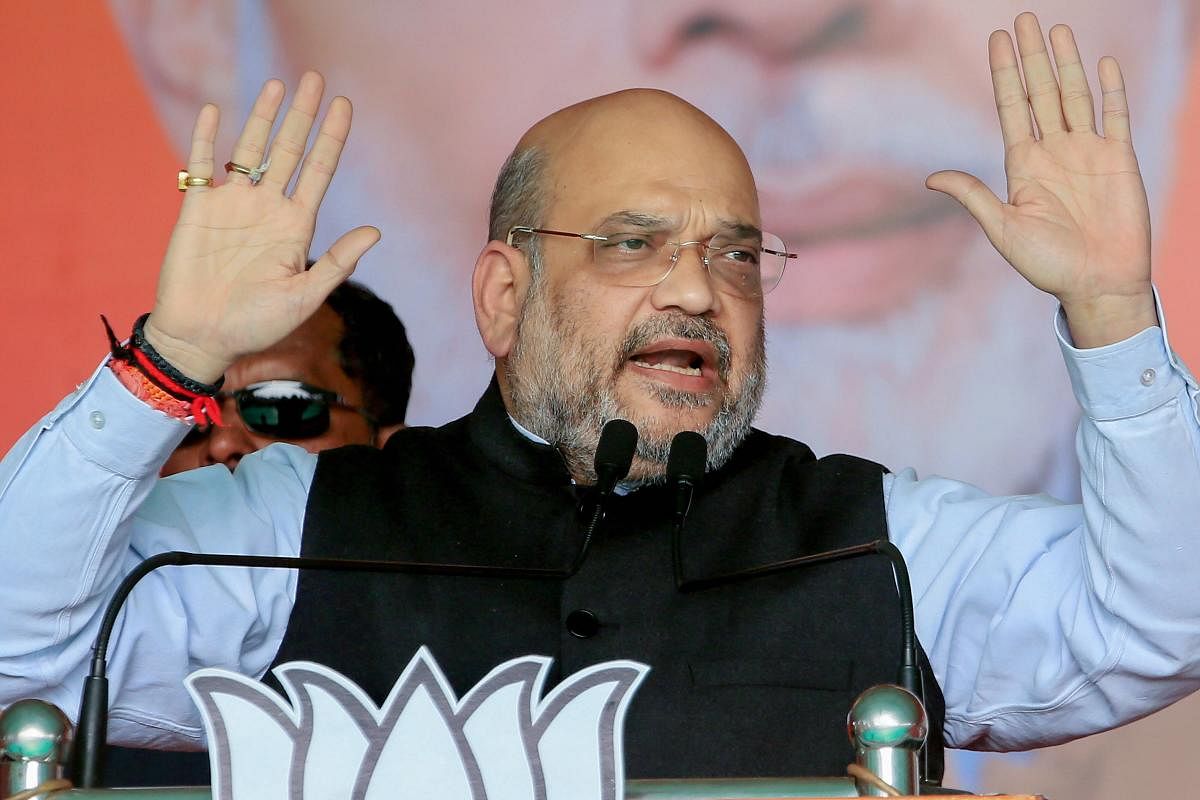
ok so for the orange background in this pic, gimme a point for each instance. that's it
(1180, 237)
(88, 200)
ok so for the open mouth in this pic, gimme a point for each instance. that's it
(677, 361)
(686, 363)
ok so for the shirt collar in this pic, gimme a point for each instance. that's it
(623, 488)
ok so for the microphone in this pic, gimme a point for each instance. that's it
(614, 457)
(685, 468)
(614, 454)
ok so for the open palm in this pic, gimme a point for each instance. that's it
(234, 279)
(1077, 222)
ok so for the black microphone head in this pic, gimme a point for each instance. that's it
(687, 459)
(614, 453)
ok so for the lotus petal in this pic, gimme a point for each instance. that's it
(337, 723)
(581, 718)
(422, 752)
(497, 720)
(251, 732)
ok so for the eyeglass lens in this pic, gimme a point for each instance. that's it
(748, 267)
(284, 417)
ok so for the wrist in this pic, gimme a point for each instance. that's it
(190, 362)
(1106, 319)
(151, 378)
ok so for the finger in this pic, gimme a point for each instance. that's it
(1115, 105)
(322, 159)
(1077, 106)
(200, 155)
(1012, 104)
(975, 197)
(288, 147)
(1040, 83)
(338, 262)
(251, 146)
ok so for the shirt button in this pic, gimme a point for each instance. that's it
(1148, 377)
(97, 420)
(582, 624)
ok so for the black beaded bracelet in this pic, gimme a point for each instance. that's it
(138, 342)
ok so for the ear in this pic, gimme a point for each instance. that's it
(498, 289)
(385, 431)
(186, 54)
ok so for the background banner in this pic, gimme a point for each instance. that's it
(898, 335)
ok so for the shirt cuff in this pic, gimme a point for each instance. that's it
(112, 428)
(1126, 378)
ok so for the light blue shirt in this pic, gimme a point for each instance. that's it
(1044, 621)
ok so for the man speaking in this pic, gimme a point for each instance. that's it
(623, 278)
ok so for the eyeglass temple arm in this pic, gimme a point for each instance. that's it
(780, 254)
(512, 232)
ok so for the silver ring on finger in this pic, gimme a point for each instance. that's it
(254, 174)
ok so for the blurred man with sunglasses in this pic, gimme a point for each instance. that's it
(343, 377)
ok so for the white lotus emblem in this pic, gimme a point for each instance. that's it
(501, 741)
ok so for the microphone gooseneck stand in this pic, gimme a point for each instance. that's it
(686, 463)
(614, 455)
(685, 468)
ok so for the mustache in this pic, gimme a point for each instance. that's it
(677, 326)
(823, 119)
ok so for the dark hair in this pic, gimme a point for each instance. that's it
(374, 351)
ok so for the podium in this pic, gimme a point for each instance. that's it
(35, 736)
(704, 789)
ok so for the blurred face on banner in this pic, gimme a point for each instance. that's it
(898, 334)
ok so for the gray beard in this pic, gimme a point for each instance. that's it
(563, 392)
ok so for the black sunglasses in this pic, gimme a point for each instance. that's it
(282, 410)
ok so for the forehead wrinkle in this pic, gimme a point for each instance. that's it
(638, 219)
(655, 223)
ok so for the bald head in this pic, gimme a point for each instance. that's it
(646, 134)
(629, 119)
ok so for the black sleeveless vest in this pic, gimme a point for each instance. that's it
(747, 679)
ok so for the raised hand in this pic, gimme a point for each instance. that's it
(1076, 224)
(233, 280)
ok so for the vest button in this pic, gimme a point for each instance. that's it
(583, 624)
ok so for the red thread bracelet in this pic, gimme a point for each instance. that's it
(204, 407)
(156, 386)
